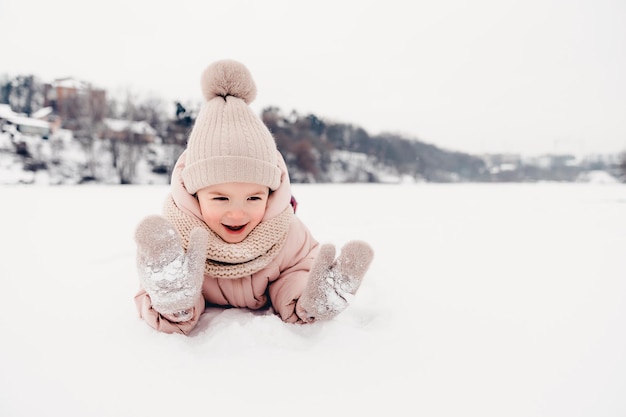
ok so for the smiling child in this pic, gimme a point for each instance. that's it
(228, 235)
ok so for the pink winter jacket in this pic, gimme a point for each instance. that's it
(278, 284)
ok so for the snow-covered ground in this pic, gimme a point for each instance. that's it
(483, 300)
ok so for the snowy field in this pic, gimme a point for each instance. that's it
(483, 300)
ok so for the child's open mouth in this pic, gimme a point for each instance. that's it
(234, 228)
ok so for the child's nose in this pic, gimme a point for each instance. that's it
(236, 212)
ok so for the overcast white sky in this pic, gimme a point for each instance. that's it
(526, 76)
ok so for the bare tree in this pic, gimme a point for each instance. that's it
(24, 93)
(126, 146)
(127, 155)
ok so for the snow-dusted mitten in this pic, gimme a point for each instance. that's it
(332, 282)
(171, 277)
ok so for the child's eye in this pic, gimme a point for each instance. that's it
(254, 198)
(220, 198)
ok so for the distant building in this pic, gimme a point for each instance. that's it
(73, 100)
(22, 123)
(47, 114)
(129, 131)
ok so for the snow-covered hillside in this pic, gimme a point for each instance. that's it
(483, 300)
(62, 159)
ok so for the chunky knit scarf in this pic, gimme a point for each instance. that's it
(234, 260)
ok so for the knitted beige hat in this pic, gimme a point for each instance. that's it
(228, 142)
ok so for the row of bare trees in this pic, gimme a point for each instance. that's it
(306, 141)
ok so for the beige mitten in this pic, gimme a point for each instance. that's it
(171, 277)
(332, 282)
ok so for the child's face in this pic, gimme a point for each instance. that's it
(233, 209)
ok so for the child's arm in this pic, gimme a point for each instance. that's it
(312, 285)
(333, 281)
(171, 277)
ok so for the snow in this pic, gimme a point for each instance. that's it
(28, 121)
(482, 300)
(42, 112)
(597, 177)
(71, 83)
(6, 112)
(118, 125)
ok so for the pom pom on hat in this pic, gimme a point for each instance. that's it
(228, 78)
(228, 142)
